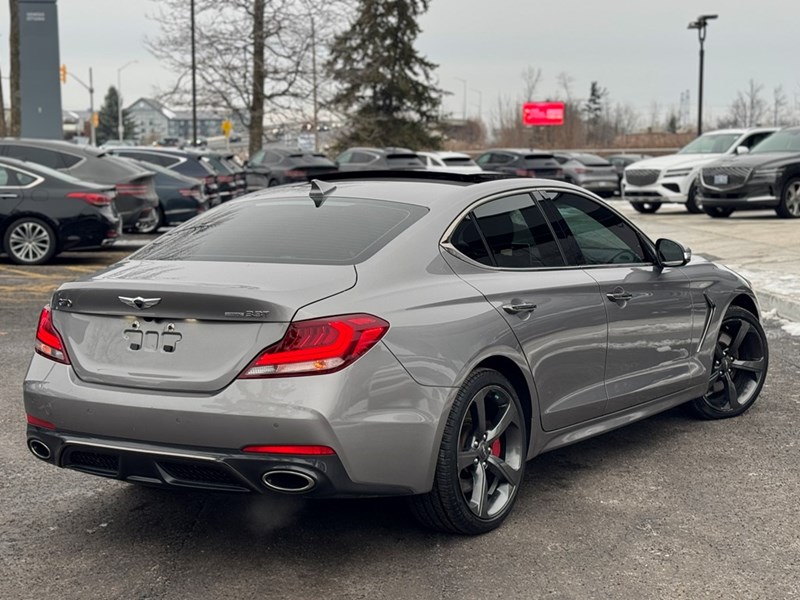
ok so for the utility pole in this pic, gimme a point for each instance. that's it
(120, 124)
(314, 83)
(700, 24)
(194, 80)
(464, 105)
(90, 89)
(2, 110)
(15, 99)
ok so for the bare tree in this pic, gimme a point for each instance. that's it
(250, 53)
(565, 82)
(655, 116)
(780, 105)
(749, 108)
(531, 78)
(13, 41)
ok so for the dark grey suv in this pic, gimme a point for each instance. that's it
(136, 199)
(395, 336)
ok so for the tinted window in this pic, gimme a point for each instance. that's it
(24, 179)
(710, 143)
(5, 179)
(340, 232)
(469, 242)
(257, 158)
(164, 160)
(362, 157)
(458, 161)
(787, 140)
(42, 156)
(517, 233)
(272, 158)
(602, 237)
(483, 159)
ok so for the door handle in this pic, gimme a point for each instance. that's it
(619, 295)
(9, 195)
(519, 307)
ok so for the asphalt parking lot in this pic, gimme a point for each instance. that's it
(670, 507)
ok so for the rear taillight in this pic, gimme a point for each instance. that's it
(131, 189)
(225, 178)
(195, 193)
(560, 173)
(48, 340)
(37, 422)
(292, 173)
(580, 170)
(92, 198)
(318, 346)
(525, 173)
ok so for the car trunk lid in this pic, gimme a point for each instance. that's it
(160, 325)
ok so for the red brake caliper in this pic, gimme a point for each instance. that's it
(497, 447)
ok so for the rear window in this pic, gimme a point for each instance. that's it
(459, 161)
(341, 232)
(404, 160)
(592, 160)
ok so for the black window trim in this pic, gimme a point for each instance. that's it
(37, 179)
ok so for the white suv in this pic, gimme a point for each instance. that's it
(649, 183)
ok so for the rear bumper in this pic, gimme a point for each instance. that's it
(206, 469)
(383, 426)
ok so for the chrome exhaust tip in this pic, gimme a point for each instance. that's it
(288, 482)
(39, 449)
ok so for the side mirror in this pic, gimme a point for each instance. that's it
(672, 254)
(742, 150)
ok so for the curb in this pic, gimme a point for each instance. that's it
(787, 307)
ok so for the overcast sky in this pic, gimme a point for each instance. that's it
(640, 50)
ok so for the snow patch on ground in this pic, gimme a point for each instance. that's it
(790, 327)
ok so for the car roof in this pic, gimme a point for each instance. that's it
(422, 188)
(60, 145)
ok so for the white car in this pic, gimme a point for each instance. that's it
(647, 184)
(451, 162)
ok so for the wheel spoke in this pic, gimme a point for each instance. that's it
(756, 366)
(480, 491)
(509, 417)
(503, 470)
(714, 378)
(466, 458)
(480, 414)
(744, 329)
(731, 391)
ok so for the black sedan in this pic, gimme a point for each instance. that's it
(179, 197)
(136, 198)
(380, 159)
(522, 163)
(766, 177)
(190, 163)
(275, 166)
(44, 212)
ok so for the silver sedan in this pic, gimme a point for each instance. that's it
(394, 334)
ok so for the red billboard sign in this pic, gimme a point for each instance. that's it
(543, 113)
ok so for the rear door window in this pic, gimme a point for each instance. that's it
(513, 232)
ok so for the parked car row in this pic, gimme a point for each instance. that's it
(110, 190)
(721, 172)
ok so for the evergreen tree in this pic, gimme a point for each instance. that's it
(594, 109)
(109, 119)
(387, 87)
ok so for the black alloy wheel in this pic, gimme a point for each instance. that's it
(718, 212)
(646, 207)
(741, 358)
(789, 206)
(692, 204)
(272, 183)
(30, 241)
(152, 223)
(481, 461)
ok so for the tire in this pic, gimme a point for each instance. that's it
(30, 241)
(480, 465)
(646, 207)
(789, 206)
(739, 368)
(692, 205)
(718, 212)
(152, 226)
(272, 183)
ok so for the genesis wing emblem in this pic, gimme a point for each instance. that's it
(139, 302)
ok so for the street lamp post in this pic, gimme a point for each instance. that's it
(90, 89)
(464, 105)
(314, 83)
(700, 26)
(120, 126)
